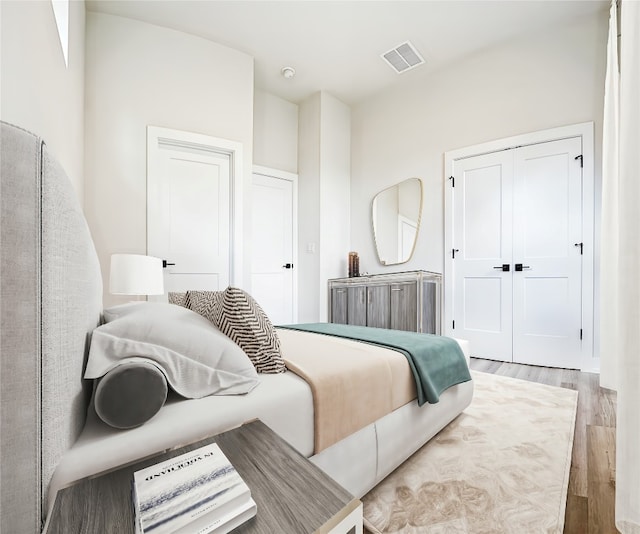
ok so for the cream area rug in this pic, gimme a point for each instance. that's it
(502, 466)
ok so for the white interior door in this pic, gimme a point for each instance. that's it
(273, 261)
(547, 294)
(517, 234)
(482, 240)
(188, 213)
(407, 230)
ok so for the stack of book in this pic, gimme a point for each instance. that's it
(195, 493)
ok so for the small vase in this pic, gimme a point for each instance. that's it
(354, 264)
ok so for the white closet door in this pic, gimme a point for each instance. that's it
(188, 213)
(547, 223)
(482, 237)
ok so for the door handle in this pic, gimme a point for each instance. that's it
(165, 264)
(520, 267)
(288, 266)
(504, 267)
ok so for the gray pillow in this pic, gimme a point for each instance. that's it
(130, 394)
(197, 359)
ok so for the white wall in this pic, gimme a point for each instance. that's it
(139, 74)
(309, 289)
(37, 91)
(335, 188)
(323, 200)
(534, 83)
(275, 132)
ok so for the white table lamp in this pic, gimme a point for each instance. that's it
(135, 274)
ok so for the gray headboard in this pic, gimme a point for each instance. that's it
(50, 301)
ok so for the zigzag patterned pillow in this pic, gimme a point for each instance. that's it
(205, 303)
(240, 317)
(179, 299)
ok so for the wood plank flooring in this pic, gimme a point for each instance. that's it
(591, 494)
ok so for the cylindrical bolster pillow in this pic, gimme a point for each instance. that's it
(130, 394)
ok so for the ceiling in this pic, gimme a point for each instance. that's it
(336, 45)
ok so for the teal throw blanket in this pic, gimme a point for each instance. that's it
(437, 362)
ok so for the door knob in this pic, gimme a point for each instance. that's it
(520, 267)
(504, 267)
(288, 266)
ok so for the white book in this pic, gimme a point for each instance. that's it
(221, 525)
(177, 492)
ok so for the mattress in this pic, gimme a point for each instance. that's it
(353, 384)
(328, 349)
(284, 402)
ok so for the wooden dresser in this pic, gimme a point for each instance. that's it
(400, 301)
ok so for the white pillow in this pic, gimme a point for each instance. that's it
(197, 359)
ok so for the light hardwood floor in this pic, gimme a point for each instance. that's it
(591, 495)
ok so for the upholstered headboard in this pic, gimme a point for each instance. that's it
(50, 301)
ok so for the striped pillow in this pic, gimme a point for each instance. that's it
(179, 299)
(205, 303)
(240, 317)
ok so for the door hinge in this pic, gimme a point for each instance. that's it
(581, 160)
(453, 181)
(454, 325)
(453, 252)
(581, 333)
(581, 245)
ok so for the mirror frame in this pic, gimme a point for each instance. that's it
(419, 220)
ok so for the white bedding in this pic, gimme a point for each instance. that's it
(283, 402)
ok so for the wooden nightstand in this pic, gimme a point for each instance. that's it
(292, 494)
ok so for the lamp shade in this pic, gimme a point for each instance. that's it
(135, 274)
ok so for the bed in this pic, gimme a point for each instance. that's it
(51, 302)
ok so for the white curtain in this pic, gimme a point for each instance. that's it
(609, 229)
(620, 260)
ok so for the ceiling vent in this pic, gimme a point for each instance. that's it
(403, 57)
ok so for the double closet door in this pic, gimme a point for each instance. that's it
(517, 268)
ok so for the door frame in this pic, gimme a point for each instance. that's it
(207, 143)
(588, 360)
(293, 178)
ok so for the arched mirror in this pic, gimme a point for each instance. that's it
(395, 214)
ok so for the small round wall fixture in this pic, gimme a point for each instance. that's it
(288, 72)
